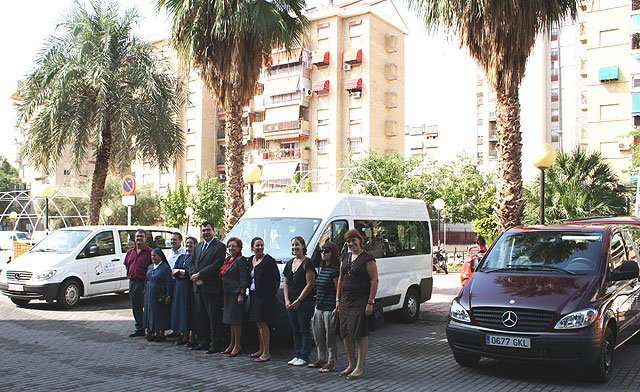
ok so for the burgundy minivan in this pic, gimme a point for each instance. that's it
(554, 293)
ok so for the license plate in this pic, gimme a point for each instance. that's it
(15, 287)
(508, 341)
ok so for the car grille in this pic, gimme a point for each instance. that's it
(528, 320)
(19, 276)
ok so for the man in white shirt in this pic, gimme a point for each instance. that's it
(176, 249)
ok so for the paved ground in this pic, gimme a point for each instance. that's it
(46, 349)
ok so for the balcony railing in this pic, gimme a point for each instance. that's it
(277, 99)
(283, 126)
(283, 154)
(220, 133)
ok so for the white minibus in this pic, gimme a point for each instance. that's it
(397, 233)
(76, 262)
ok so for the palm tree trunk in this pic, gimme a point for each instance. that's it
(100, 172)
(509, 203)
(234, 163)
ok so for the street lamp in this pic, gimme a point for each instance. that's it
(188, 211)
(543, 159)
(251, 175)
(47, 192)
(438, 204)
(108, 212)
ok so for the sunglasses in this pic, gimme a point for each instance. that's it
(325, 250)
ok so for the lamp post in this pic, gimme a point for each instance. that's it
(251, 175)
(47, 192)
(12, 217)
(543, 159)
(438, 204)
(108, 212)
(188, 211)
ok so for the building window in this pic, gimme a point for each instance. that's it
(635, 81)
(66, 172)
(323, 174)
(355, 115)
(636, 121)
(609, 112)
(355, 145)
(391, 71)
(609, 37)
(391, 99)
(191, 152)
(480, 111)
(258, 117)
(323, 37)
(260, 89)
(554, 95)
(323, 116)
(322, 146)
(391, 43)
(355, 28)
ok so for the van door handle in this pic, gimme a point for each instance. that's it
(115, 259)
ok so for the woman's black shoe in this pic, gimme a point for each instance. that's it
(151, 338)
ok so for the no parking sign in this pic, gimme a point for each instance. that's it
(128, 185)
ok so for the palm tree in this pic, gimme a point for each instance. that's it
(103, 94)
(499, 35)
(578, 185)
(228, 42)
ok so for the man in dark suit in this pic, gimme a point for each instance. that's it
(208, 257)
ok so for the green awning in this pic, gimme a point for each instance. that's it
(635, 104)
(609, 73)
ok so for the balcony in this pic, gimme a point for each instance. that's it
(554, 75)
(554, 56)
(583, 102)
(282, 99)
(583, 33)
(583, 68)
(493, 136)
(480, 141)
(554, 98)
(493, 154)
(286, 126)
(583, 4)
(492, 116)
(220, 133)
(285, 154)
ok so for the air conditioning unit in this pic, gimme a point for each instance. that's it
(346, 67)
(307, 92)
(623, 146)
(356, 94)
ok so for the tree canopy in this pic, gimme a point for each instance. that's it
(101, 95)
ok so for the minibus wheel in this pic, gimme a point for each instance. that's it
(601, 369)
(411, 308)
(20, 302)
(69, 294)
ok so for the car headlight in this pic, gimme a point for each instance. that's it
(457, 312)
(579, 319)
(44, 275)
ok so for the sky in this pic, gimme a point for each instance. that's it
(432, 66)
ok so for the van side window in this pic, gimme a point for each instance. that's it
(334, 232)
(127, 240)
(159, 239)
(104, 241)
(631, 251)
(394, 238)
(617, 250)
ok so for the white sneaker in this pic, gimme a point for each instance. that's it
(293, 361)
(300, 362)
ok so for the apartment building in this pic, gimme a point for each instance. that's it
(422, 140)
(341, 93)
(613, 53)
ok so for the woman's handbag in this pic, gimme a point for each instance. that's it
(335, 324)
(376, 319)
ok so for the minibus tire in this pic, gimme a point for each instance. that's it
(411, 308)
(20, 302)
(69, 294)
(601, 369)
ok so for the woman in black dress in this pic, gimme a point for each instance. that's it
(356, 292)
(181, 310)
(264, 283)
(235, 280)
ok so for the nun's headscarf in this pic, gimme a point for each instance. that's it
(158, 252)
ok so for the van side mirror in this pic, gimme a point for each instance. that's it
(627, 270)
(93, 250)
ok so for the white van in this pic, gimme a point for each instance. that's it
(397, 233)
(76, 262)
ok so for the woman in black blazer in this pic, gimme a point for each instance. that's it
(264, 281)
(235, 280)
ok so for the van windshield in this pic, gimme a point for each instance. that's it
(61, 241)
(276, 233)
(549, 251)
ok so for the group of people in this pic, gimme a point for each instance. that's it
(198, 288)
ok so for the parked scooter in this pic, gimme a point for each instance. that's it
(440, 261)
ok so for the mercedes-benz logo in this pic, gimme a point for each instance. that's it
(509, 319)
(16, 276)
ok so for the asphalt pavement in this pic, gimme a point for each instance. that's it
(43, 348)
